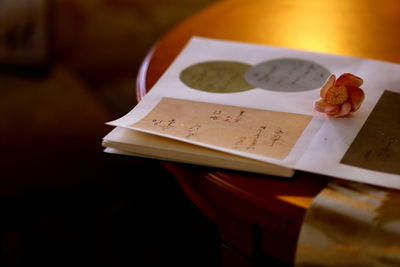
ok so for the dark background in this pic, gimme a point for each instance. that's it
(63, 201)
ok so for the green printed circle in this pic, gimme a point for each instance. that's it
(217, 77)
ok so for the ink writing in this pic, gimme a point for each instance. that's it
(164, 125)
(257, 137)
(193, 130)
(222, 116)
(276, 136)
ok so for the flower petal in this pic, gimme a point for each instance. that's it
(328, 84)
(356, 97)
(344, 111)
(348, 79)
(322, 106)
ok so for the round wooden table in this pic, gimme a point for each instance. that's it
(259, 217)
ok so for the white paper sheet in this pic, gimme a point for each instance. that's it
(324, 141)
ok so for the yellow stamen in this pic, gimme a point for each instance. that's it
(336, 95)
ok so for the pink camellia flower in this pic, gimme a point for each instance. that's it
(340, 96)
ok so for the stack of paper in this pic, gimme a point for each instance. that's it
(135, 143)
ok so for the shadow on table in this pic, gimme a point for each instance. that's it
(64, 202)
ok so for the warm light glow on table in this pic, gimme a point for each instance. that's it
(362, 28)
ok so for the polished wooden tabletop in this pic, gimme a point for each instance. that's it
(361, 28)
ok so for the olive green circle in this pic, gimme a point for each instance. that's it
(217, 77)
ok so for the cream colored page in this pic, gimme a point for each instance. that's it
(262, 132)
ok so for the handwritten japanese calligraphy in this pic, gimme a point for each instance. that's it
(257, 131)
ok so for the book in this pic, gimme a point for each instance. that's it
(135, 143)
(249, 107)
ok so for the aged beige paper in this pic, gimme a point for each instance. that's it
(262, 132)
